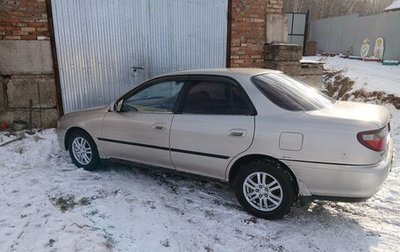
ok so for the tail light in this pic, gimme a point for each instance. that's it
(375, 140)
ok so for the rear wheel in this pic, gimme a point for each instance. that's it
(264, 189)
(83, 150)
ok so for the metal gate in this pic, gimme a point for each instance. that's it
(297, 28)
(107, 47)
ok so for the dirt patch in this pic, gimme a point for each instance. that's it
(340, 87)
(109, 243)
(378, 97)
(336, 84)
(50, 243)
(68, 202)
(165, 243)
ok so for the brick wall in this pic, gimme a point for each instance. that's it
(248, 30)
(23, 20)
(274, 6)
(27, 84)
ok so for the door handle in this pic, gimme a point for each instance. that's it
(135, 68)
(159, 126)
(237, 132)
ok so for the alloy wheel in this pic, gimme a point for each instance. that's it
(82, 150)
(262, 191)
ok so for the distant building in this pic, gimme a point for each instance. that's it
(395, 6)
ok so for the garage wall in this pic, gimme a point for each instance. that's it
(107, 47)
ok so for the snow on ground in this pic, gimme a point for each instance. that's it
(5, 138)
(371, 76)
(47, 204)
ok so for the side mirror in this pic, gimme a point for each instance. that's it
(112, 107)
(119, 105)
(116, 106)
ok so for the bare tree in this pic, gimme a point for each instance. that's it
(329, 8)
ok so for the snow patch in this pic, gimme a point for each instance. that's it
(371, 76)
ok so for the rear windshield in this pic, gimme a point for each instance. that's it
(290, 94)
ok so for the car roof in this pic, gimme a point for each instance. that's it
(230, 72)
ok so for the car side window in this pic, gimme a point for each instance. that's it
(159, 97)
(215, 97)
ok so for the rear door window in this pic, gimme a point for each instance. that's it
(215, 97)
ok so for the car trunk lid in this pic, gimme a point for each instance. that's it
(369, 113)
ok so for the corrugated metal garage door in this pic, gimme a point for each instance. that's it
(106, 47)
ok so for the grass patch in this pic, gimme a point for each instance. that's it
(68, 202)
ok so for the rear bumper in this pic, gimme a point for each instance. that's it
(341, 182)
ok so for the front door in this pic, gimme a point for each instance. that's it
(215, 123)
(140, 130)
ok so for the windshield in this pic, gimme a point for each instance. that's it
(290, 94)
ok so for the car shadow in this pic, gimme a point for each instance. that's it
(321, 225)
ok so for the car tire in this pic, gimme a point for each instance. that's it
(265, 189)
(83, 150)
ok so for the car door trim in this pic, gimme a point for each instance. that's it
(200, 154)
(165, 148)
(324, 163)
(131, 143)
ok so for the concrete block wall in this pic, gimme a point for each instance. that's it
(19, 90)
(277, 27)
(287, 58)
(248, 30)
(284, 57)
(26, 64)
(312, 73)
(3, 97)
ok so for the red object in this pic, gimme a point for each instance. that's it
(368, 59)
(375, 140)
(3, 125)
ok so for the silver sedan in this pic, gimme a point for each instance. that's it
(276, 139)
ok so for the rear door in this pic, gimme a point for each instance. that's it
(213, 124)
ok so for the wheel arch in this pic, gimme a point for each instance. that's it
(245, 159)
(70, 131)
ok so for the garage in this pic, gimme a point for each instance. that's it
(105, 48)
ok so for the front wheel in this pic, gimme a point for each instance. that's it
(264, 189)
(83, 150)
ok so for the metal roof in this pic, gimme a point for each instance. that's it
(394, 6)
